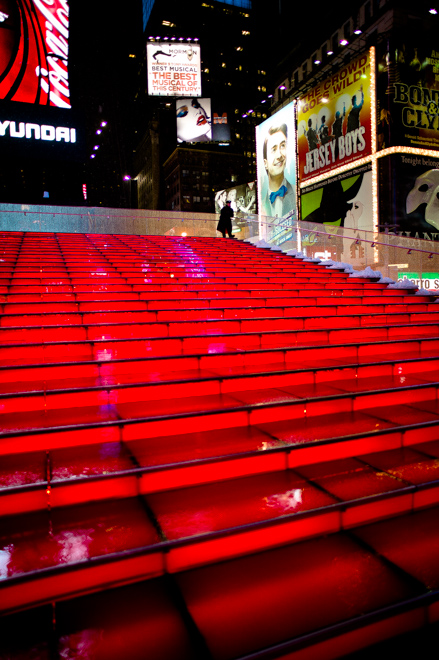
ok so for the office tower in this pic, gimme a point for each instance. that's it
(234, 73)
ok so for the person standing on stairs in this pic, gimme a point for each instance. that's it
(225, 222)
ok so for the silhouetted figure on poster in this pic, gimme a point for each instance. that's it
(324, 132)
(334, 206)
(312, 137)
(354, 114)
(384, 129)
(337, 128)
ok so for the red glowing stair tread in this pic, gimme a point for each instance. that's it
(413, 414)
(202, 509)
(20, 386)
(89, 460)
(378, 383)
(18, 355)
(124, 623)
(407, 464)
(22, 469)
(40, 319)
(383, 351)
(247, 604)
(411, 542)
(72, 382)
(118, 623)
(268, 395)
(429, 448)
(53, 384)
(108, 350)
(430, 405)
(172, 449)
(309, 390)
(76, 281)
(184, 405)
(350, 479)
(299, 431)
(51, 418)
(69, 535)
(154, 376)
(227, 366)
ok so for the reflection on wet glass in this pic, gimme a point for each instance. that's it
(5, 558)
(82, 645)
(270, 444)
(74, 546)
(217, 347)
(104, 355)
(291, 499)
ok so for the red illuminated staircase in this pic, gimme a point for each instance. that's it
(211, 450)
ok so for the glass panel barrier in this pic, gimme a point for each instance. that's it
(39, 218)
(396, 257)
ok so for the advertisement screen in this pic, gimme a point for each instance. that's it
(341, 201)
(221, 131)
(409, 196)
(197, 122)
(408, 90)
(276, 168)
(334, 125)
(34, 47)
(343, 204)
(194, 120)
(174, 69)
(40, 132)
(242, 198)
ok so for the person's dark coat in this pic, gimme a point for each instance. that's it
(225, 221)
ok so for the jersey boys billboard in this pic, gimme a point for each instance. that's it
(334, 125)
(34, 47)
(174, 69)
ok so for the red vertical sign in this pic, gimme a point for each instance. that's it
(34, 48)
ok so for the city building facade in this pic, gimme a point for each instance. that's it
(234, 70)
(365, 102)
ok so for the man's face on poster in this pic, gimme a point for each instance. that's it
(276, 154)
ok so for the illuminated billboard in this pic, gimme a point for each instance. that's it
(409, 195)
(196, 122)
(341, 201)
(242, 199)
(174, 69)
(408, 90)
(34, 48)
(276, 170)
(334, 126)
(221, 131)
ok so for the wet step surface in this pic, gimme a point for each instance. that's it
(242, 605)
(222, 518)
(251, 439)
